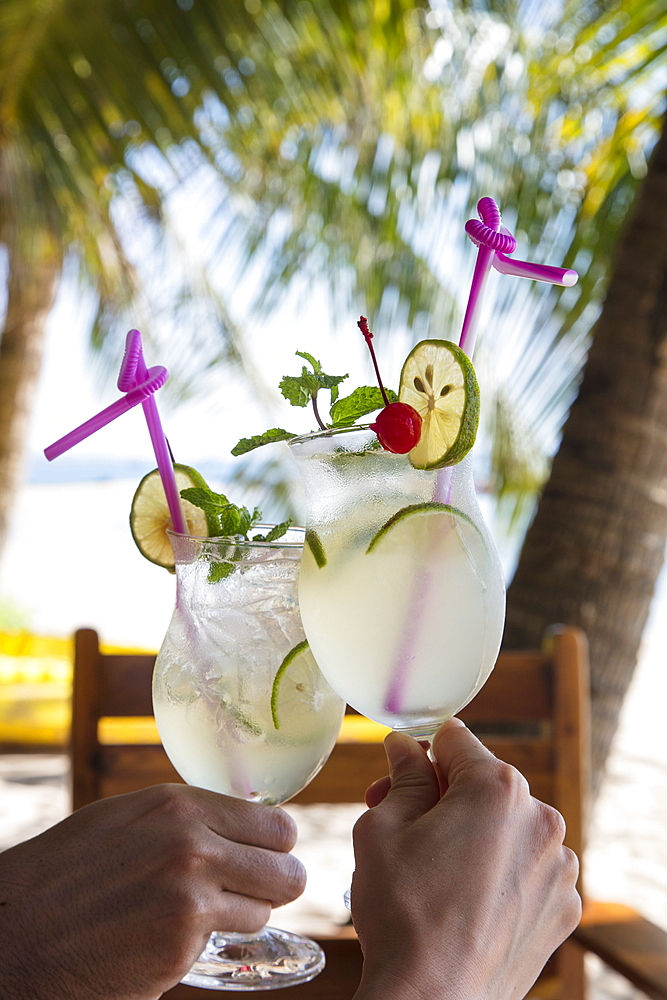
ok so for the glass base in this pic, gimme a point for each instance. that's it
(424, 732)
(268, 960)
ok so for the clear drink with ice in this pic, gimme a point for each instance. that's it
(236, 618)
(229, 726)
(401, 590)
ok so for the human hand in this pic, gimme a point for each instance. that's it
(118, 900)
(463, 887)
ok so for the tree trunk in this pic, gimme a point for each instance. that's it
(596, 546)
(31, 290)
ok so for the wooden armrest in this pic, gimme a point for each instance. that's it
(628, 942)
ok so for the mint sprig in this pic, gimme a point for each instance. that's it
(230, 521)
(268, 437)
(299, 390)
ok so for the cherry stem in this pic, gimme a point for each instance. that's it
(323, 426)
(362, 323)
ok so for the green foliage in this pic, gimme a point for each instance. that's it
(369, 130)
(276, 532)
(363, 400)
(231, 520)
(299, 390)
(268, 437)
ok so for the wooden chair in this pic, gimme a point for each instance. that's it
(533, 713)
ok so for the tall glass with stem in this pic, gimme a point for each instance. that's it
(243, 709)
(401, 590)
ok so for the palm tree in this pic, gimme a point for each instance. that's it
(82, 93)
(596, 546)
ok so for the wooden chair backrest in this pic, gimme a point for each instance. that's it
(532, 712)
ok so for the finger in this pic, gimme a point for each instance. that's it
(414, 785)
(251, 823)
(236, 912)
(456, 750)
(258, 873)
(376, 793)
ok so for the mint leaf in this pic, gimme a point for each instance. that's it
(221, 570)
(317, 367)
(268, 437)
(300, 389)
(277, 531)
(363, 400)
(238, 520)
(205, 499)
(230, 519)
(331, 381)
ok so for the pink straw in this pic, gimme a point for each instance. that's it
(133, 370)
(156, 378)
(139, 385)
(494, 242)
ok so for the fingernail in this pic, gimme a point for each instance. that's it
(397, 748)
(453, 723)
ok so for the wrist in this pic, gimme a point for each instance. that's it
(389, 984)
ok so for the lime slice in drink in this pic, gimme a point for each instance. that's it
(149, 516)
(314, 543)
(293, 686)
(412, 524)
(439, 381)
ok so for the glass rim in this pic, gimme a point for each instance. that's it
(239, 542)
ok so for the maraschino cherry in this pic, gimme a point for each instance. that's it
(398, 425)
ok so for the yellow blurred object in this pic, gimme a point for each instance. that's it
(143, 730)
(134, 729)
(359, 729)
(36, 689)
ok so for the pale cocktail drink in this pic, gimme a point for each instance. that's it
(223, 722)
(243, 709)
(401, 588)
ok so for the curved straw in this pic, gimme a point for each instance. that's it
(494, 242)
(488, 239)
(139, 385)
(154, 380)
(132, 369)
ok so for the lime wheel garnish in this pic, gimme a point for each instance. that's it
(150, 519)
(439, 381)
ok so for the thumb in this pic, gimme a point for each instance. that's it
(458, 752)
(414, 784)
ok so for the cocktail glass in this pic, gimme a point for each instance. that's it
(401, 589)
(236, 618)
